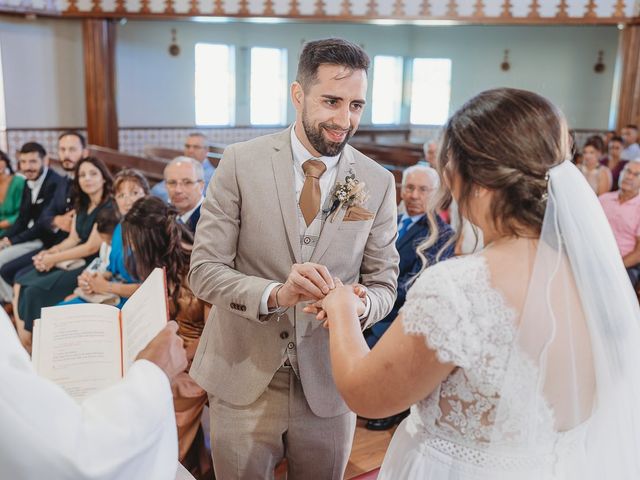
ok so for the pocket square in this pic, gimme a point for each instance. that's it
(357, 214)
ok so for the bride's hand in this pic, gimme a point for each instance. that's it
(342, 297)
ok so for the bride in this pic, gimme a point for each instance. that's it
(521, 361)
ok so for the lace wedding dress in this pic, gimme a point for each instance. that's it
(471, 426)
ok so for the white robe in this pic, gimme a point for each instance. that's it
(127, 431)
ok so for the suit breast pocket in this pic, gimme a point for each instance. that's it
(362, 225)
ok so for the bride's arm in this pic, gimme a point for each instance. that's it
(398, 372)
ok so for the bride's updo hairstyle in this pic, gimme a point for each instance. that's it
(504, 140)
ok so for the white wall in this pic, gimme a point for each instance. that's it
(43, 72)
(554, 61)
(155, 89)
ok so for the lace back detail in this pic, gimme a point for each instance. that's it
(468, 323)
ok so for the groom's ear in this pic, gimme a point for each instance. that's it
(297, 95)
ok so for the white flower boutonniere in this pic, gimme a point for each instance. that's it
(348, 194)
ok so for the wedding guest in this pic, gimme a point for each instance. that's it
(54, 223)
(184, 178)
(129, 185)
(520, 360)
(24, 236)
(11, 187)
(419, 184)
(153, 237)
(598, 176)
(123, 432)
(430, 152)
(45, 284)
(622, 209)
(196, 147)
(613, 160)
(631, 149)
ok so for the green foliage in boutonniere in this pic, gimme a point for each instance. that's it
(348, 194)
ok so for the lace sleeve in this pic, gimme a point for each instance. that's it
(439, 307)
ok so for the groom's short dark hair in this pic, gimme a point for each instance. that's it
(330, 51)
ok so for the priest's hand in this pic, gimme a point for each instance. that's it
(167, 351)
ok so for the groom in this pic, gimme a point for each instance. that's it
(273, 233)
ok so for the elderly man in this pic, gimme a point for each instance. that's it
(184, 178)
(419, 183)
(622, 209)
(196, 147)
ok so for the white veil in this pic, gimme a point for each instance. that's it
(571, 395)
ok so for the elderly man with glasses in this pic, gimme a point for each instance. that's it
(184, 178)
(196, 147)
(622, 209)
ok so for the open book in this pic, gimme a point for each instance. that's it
(85, 348)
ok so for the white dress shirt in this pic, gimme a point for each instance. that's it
(327, 180)
(36, 185)
(186, 216)
(124, 432)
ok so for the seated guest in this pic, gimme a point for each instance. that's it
(419, 183)
(46, 284)
(631, 149)
(598, 176)
(196, 147)
(613, 160)
(430, 153)
(129, 185)
(11, 187)
(153, 237)
(185, 184)
(54, 223)
(622, 209)
(23, 237)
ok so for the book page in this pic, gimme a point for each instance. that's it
(144, 315)
(78, 347)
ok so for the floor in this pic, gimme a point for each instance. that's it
(367, 453)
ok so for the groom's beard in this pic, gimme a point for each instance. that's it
(318, 141)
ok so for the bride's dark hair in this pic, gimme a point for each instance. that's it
(504, 140)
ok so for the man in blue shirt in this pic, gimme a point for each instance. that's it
(197, 147)
(419, 183)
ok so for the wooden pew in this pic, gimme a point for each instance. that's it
(161, 152)
(152, 168)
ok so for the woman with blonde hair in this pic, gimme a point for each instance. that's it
(521, 360)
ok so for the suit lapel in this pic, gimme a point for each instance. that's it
(410, 234)
(282, 163)
(329, 229)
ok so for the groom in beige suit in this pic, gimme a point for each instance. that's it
(272, 236)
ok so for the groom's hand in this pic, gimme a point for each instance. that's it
(358, 289)
(306, 281)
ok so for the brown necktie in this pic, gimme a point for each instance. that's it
(310, 195)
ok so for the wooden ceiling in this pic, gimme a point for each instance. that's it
(386, 11)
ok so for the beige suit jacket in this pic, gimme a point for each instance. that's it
(248, 237)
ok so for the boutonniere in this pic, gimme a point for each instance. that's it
(348, 194)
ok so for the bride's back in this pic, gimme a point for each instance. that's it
(552, 328)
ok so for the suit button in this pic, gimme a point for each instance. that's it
(234, 306)
(284, 335)
(306, 240)
(291, 346)
(243, 308)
